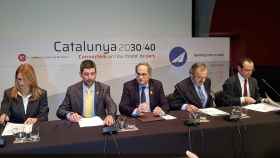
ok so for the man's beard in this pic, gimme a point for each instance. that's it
(89, 83)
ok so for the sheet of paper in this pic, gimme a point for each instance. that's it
(270, 101)
(93, 121)
(262, 107)
(213, 112)
(168, 117)
(12, 128)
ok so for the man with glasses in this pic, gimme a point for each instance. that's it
(143, 94)
(193, 92)
(242, 89)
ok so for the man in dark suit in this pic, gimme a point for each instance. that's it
(143, 94)
(193, 92)
(242, 89)
(87, 98)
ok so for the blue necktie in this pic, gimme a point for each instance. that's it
(143, 96)
(201, 96)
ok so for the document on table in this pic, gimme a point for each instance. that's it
(168, 117)
(213, 112)
(262, 107)
(271, 102)
(93, 121)
(12, 128)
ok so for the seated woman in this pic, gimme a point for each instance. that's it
(25, 102)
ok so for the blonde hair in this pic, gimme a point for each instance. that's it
(29, 75)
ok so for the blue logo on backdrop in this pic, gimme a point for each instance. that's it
(178, 56)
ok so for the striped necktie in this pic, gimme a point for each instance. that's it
(201, 96)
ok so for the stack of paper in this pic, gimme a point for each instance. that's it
(12, 128)
(213, 112)
(262, 107)
(93, 121)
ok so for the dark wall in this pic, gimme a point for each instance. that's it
(254, 24)
(254, 29)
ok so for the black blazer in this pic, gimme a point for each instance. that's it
(73, 101)
(185, 93)
(130, 96)
(14, 108)
(233, 91)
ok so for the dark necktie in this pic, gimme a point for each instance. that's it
(245, 94)
(201, 96)
(143, 96)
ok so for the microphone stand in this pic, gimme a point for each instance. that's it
(267, 84)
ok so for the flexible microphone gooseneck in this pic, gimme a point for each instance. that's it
(268, 85)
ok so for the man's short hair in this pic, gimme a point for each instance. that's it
(145, 64)
(195, 66)
(87, 64)
(242, 60)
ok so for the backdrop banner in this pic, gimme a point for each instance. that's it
(56, 62)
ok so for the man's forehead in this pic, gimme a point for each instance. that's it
(88, 70)
(201, 71)
(142, 68)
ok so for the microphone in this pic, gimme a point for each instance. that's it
(267, 84)
(212, 94)
(235, 114)
(193, 120)
(109, 130)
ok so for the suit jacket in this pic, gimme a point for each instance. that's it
(14, 107)
(185, 93)
(130, 96)
(233, 91)
(73, 101)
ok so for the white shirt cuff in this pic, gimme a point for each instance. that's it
(68, 115)
(184, 107)
(135, 113)
(242, 100)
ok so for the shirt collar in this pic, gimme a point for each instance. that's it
(143, 85)
(241, 78)
(85, 87)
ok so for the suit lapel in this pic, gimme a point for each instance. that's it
(80, 97)
(96, 96)
(21, 106)
(136, 90)
(194, 94)
(151, 94)
(238, 85)
(251, 87)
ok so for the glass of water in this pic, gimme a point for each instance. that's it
(35, 134)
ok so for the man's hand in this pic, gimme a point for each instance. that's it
(157, 111)
(4, 118)
(109, 120)
(191, 108)
(74, 117)
(249, 100)
(143, 107)
(31, 120)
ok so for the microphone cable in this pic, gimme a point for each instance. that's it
(116, 144)
(203, 146)
(244, 153)
(189, 139)
(115, 141)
